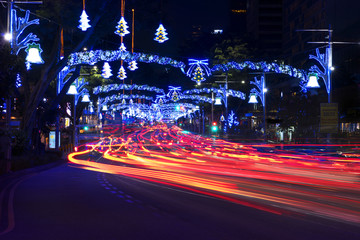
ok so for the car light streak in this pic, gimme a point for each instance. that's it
(313, 182)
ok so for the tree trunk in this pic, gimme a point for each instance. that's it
(49, 73)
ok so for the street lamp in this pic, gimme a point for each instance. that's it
(324, 60)
(73, 90)
(8, 37)
(85, 98)
(259, 91)
(313, 81)
(253, 98)
(223, 95)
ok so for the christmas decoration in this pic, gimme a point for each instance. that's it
(33, 50)
(324, 72)
(197, 98)
(92, 57)
(160, 99)
(84, 21)
(133, 65)
(121, 28)
(232, 119)
(265, 67)
(17, 26)
(197, 69)
(217, 91)
(118, 87)
(160, 35)
(198, 75)
(174, 93)
(259, 90)
(18, 81)
(106, 72)
(121, 73)
(122, 47)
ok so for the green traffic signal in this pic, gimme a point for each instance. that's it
(214, 128)
(86, 128)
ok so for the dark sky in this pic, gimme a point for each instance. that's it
(179, 19)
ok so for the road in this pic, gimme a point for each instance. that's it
(163, 183)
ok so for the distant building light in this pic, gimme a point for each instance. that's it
(238, 10)
(217, 31)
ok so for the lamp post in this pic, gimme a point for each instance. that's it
(259, 91)
(223, 94)
(324, 60)
(74, 90)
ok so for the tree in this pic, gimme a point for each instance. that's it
(59, 12)
(231, 49)
(10, 66)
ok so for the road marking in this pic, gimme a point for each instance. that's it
(10, 207)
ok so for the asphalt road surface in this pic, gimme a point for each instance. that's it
(161, 182)
(66, 202)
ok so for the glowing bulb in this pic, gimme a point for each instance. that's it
(8, 36)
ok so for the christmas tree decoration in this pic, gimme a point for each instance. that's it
(106, 72)
(198, 69)
(122, 73)
(122, 47)
(174, 93)
(33, 53)
(84, 21)
(121, 28)
(175, 96)
(198, 75)
(133, 65)
(160, 35)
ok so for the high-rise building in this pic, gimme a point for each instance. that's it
(265, 26)
(300, 15)
(238, 12)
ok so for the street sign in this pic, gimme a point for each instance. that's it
(329, 118)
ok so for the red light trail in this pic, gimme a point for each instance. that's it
(264, 177)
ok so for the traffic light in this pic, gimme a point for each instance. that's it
(182, 108)
(214, 127)
(86, 128)
(177, 107)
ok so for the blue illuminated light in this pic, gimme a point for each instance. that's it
(121, 73)
(121, 28)
(160, 35)
(106, 72)
(84, 21)
(17, 26)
